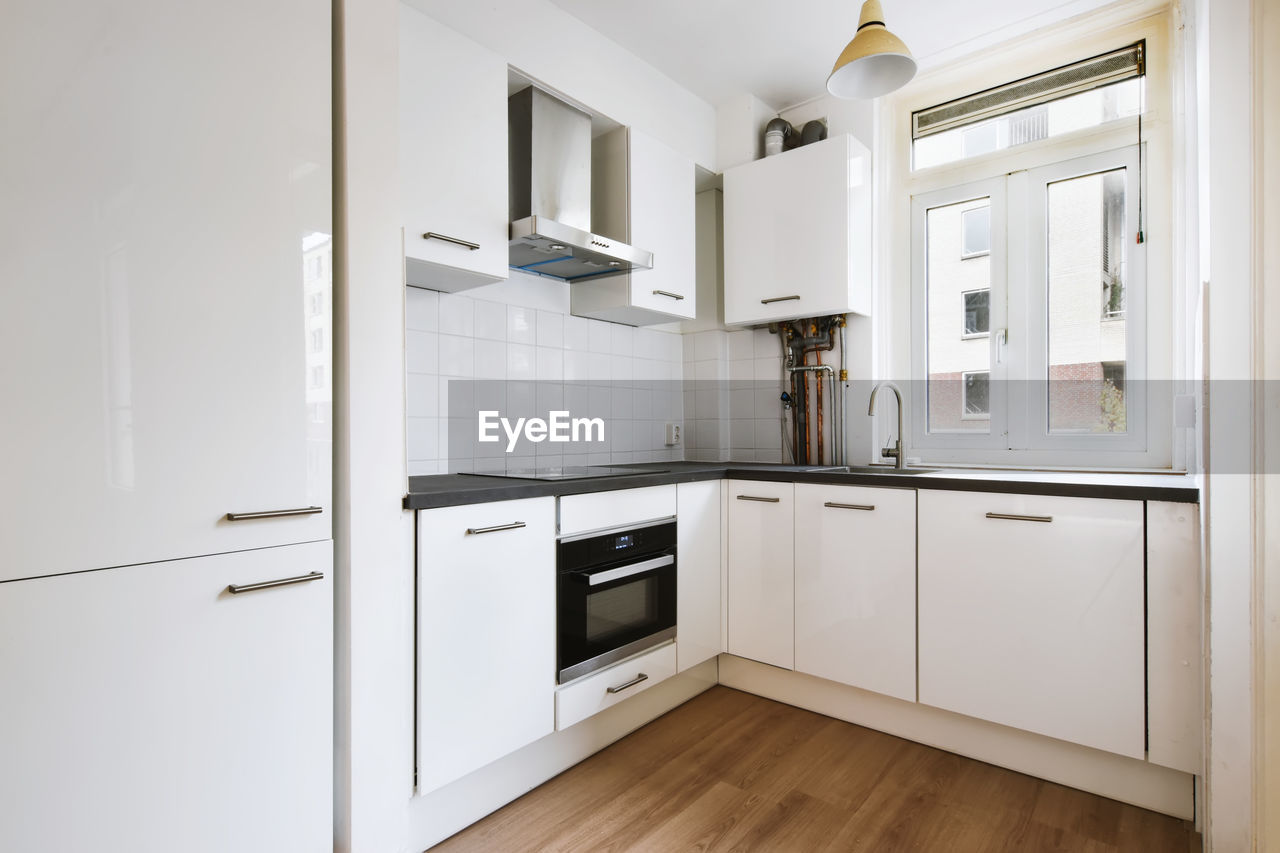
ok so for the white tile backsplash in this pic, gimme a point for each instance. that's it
(520, 330)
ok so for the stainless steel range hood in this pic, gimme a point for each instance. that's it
(550, 194)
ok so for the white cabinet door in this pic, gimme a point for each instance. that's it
(761, 587)
(453, 157)
(148, 709)
(856, 586)
(1031, 614)
(165, 249)
(643, 193)
(797, 234)
(698, 564)
(486, 634)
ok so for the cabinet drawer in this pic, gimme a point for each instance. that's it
(591, 695)
(602, 510)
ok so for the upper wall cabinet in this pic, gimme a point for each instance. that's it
(642, 194)
(797, 234)
(453, 157)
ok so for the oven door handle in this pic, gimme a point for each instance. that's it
(594, 578)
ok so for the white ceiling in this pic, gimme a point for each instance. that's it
(782, 50)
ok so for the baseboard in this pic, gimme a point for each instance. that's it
(1117, 777)
(436, 816)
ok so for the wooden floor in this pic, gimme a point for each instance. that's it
(729, 771)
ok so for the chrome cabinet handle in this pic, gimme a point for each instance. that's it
(667, 294)
(236, 589)
(632, 683)
(779, 299)
(515, 525)
(1044, 518)
(273, 513)
(866, 507)
(762, 500)
(431, 235)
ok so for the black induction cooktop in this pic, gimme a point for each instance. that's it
(566, 472)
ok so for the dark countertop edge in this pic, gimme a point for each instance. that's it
(450, 494)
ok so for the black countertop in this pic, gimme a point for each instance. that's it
(437, 490)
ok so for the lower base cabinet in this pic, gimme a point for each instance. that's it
(147, 708)
(1031, 614)
(698, 572)
(761, 586)
(486, 634)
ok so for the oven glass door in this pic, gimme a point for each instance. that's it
(606, 611)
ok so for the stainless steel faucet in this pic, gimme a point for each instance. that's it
(898, 451)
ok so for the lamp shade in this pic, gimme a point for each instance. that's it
(875, 63)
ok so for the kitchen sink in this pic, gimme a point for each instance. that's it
(866, 469)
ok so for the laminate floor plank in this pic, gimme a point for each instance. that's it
(730, 772)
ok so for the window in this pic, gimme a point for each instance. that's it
(976, 228)
(317, 340)
(976, 401)
(977, 313)
(317, 377)
(1029, 290)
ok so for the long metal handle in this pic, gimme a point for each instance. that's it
(274, 513)
(1045, 518)
(668, 294)
(515, 525)
(628, 571)
(779, 299)
(762, 500)
(632, 683)
(431, 235)
(236, 589)
(834, 505)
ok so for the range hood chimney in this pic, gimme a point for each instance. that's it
(550, 194)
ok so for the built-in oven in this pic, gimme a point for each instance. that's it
(616, 595)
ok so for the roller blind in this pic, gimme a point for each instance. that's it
(1101, 70)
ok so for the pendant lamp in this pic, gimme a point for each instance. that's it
(875, 63)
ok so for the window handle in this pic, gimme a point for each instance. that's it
(1002, 344)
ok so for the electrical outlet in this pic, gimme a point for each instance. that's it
(673, 435)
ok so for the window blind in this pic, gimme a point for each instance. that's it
(1101, 70)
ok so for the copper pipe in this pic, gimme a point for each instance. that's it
(818, 379)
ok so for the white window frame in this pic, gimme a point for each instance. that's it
(964, 235)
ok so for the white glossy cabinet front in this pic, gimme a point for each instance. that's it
(453, 157)
(486, 634)
(165, 249)
(148, 709)
(698, 565)
(1035, 624)
(797, 234)
(643, 194)
(761, 589)
(855, 565)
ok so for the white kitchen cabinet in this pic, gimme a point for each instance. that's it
(594, 693)
(761, 590)
(855, 577)
(698, 566)
(486, 634)
(149, 709)
(1175, 642)
(1031, 614)
(453, 157)
(167, 260)
(797, 234)
(643, 193)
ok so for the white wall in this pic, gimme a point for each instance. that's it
(1224, 67)
(373, 734)
(557, 50)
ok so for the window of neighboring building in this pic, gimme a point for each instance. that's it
(977, 313)
(317, 340)
(976, 395)
(975, 228)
